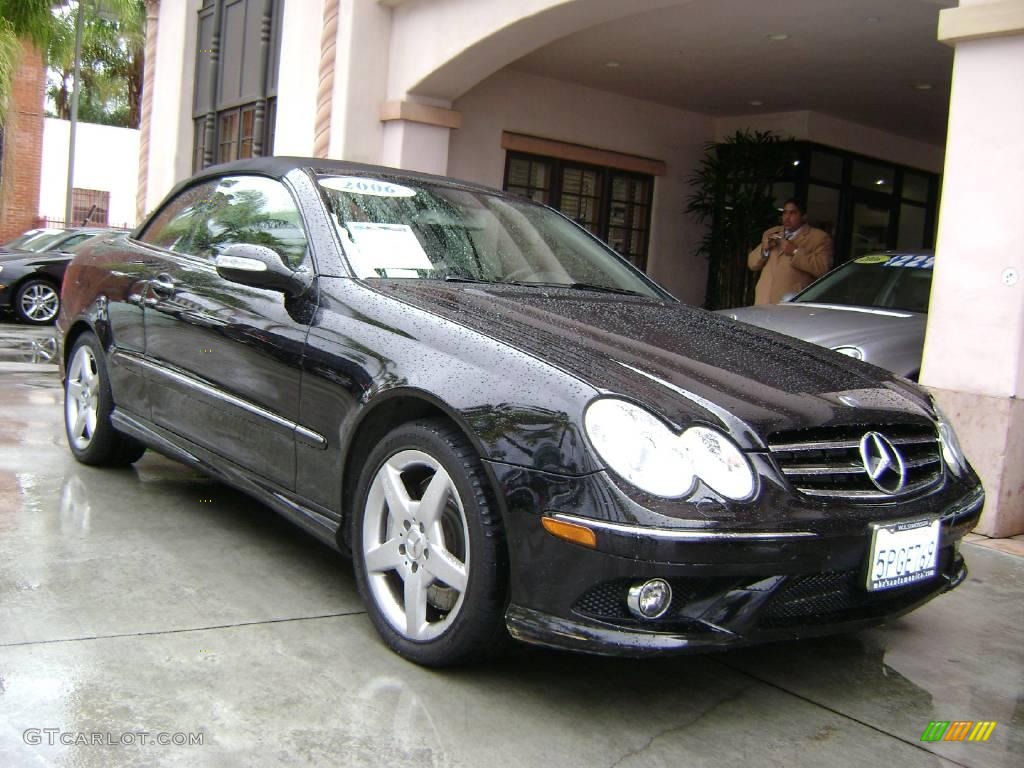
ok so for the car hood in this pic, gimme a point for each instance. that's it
(831, 325)
(685, 363)
(19, 258)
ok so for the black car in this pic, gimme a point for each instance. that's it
(32, 271)
(512, 430)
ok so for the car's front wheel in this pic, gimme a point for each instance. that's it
(37, 302)
(429, 548)
(88, 404)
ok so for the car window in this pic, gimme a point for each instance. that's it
(172, 227)
(900, 281)
(23, 238)
(253, 210)
(74, 240)
(421, 230)
(42, 241)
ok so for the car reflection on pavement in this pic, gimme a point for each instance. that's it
(19, 344)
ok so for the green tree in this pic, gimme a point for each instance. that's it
(43, 23)
(111, 66)
(733, 197)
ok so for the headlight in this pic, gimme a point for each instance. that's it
(952, 453)
(642, 449)
(855, 352)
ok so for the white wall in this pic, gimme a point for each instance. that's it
(298, 75)
(170, 143)
(106, 158)
(841, 134)
(552, 109)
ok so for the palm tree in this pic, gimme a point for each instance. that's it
(33, 22)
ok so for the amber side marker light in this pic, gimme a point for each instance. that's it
(577, 534)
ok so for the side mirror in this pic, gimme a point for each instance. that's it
(260, 267)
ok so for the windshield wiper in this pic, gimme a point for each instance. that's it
(583, 287)
(459, 279)
(530, 284)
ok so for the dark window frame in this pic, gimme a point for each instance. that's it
(804, 177)
(211, 146)
(607, 174)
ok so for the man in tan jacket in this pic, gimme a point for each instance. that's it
(789, 257)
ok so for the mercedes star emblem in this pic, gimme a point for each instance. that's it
(883, 463)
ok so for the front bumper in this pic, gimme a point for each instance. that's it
(730, 588)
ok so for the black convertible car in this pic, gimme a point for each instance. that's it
(512, 430)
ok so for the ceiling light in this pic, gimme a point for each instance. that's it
(613, 64)
(922, 86)
(756, 103)
(873, 19)
(796, 162)
(880, 182)
(778, 36)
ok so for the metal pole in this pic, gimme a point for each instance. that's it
(74, 112)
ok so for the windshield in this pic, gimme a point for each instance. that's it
(881, 281)
(27, 240)
(41, 242)
(435, 232)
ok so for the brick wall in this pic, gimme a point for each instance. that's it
(23, 147)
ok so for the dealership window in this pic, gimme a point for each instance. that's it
(864, 203)
(90, 206)
(234, 107)
(613, 204)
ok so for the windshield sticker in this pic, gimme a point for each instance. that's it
(361, 185)
(918, 261)
(876, 259)
(385, 250)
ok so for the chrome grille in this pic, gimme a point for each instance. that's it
(825, 462)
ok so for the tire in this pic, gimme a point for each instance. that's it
(37, 302)
(88, 404)
(433, 575)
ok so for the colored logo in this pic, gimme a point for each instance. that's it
(958, 730)
(883, 463)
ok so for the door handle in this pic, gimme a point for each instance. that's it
(163, 285)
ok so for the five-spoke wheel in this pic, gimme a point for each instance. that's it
(81, 397)
(37, 302)
(430, 559)
(88, 404)
(415, 545)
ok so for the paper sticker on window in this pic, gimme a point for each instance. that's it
(385, 250)
(913, 261)
(362, 185)
(874, 259)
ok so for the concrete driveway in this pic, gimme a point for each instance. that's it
(145, 610)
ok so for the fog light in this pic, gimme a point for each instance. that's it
(649, 600)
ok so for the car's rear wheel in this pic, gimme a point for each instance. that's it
(88, 404)
(429, 547)
(37, 302)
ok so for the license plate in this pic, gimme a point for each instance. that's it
(902, 553)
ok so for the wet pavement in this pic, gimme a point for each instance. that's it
(155, 601)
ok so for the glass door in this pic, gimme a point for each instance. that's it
(870, 223)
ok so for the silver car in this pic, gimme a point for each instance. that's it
(873, 308)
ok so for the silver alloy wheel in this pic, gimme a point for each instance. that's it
(416, 550)
(82, 397)
(39, 302)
